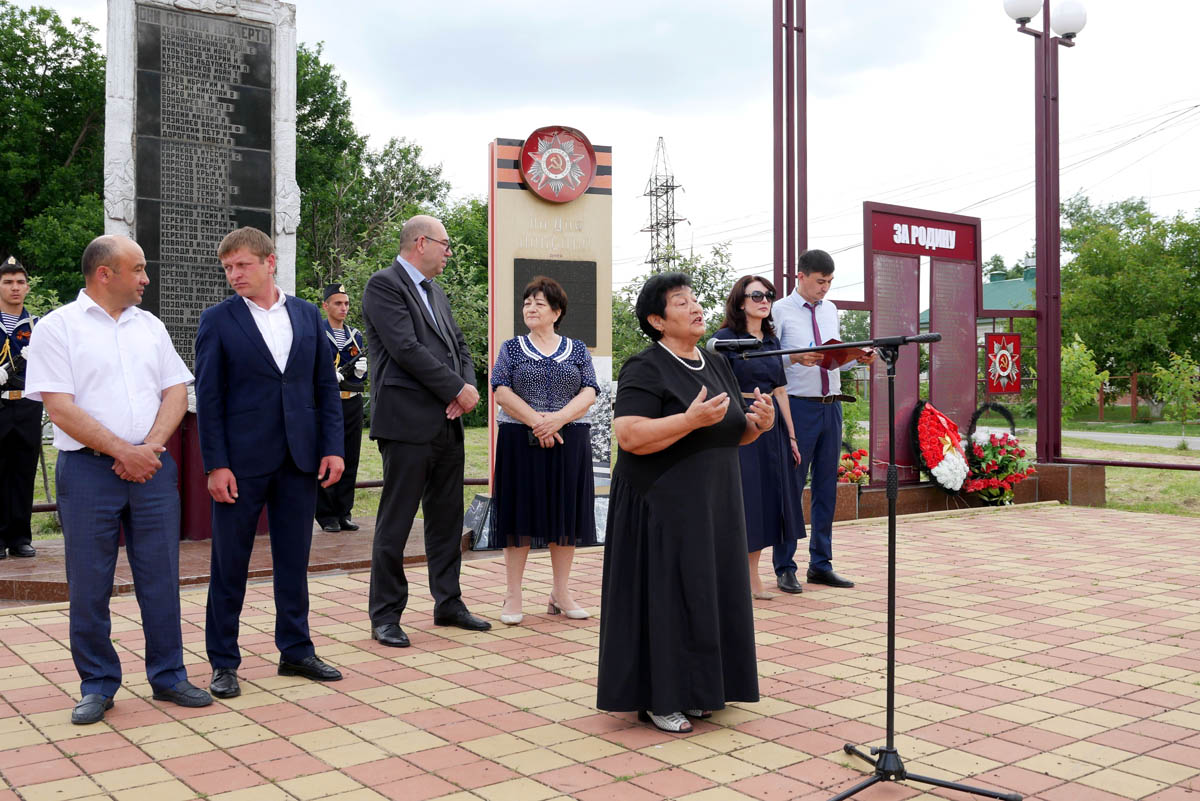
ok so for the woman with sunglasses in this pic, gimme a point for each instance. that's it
(771, 475)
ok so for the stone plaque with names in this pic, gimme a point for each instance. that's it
(202, 154)
(896, 296)
(953, 361)
(578, 280)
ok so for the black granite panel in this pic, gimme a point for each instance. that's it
(578, 279)
(149, 103)
(203, 162)
(252, 111)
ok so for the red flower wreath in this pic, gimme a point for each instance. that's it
(939, 447)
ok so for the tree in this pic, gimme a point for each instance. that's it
(1178, 386)
(1081, 381)
(51, 138)
(351, 194)
(1132, 292)
(712, 278)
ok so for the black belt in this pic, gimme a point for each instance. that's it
(827, 398)
(94, 452)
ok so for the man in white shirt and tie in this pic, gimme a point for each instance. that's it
(803, 319)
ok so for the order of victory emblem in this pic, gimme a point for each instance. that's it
(1003, 363)
(558, 163)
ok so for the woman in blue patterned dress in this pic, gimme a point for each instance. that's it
(544, 384)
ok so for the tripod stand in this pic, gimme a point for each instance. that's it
(887, 763)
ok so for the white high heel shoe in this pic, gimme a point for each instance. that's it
(552, 608)
(512, 620)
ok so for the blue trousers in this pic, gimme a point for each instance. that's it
(290, 496)
(819, 439)
(95, 504)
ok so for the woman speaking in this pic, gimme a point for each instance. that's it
(677, 633)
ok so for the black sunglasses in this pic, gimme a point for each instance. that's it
(759, 297)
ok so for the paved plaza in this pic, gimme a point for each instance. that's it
(1048, 650)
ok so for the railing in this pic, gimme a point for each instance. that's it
(372, 484)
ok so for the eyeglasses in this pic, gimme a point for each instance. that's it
(759, 297)
(445, 244)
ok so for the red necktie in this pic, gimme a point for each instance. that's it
(819, 341)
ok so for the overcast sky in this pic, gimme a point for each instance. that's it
(926, 103)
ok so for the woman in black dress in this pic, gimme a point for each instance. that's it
(771, 474)
(677, 632)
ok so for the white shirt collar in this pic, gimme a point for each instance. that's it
(88, 304)
(274, 306)
(416, 275)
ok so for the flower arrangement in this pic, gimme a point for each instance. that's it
(997, 464)
(939, 448)
(852, 470)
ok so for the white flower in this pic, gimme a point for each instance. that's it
(951, 472)
(981, 438)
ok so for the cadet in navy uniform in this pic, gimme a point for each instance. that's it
(350, 361)
(20, 418)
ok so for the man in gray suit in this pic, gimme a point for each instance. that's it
(424, 381)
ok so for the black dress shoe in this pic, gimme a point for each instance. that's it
(390, 634)
(185, 694)
(310, 667)
(349, 525)
(463, 620)
(24, 550)
(224, 683)
(332, 527)
(788, 583)
(91, 709)
(828, 577)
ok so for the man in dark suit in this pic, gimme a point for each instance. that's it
(424, 381)
(270, 429)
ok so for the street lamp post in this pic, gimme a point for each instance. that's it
(1069, 20)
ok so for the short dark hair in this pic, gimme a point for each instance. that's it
(552, 291)
(11, 265)
(653, 300)
(816, 261)
(101, 250)
(735, 315)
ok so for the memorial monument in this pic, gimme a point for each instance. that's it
(200, 138)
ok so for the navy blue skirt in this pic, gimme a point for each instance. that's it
(544, 496)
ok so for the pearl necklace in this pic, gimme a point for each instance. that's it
(681, 361)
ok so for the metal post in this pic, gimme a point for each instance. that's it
(801, 34)
(777, 34)
(789, 49)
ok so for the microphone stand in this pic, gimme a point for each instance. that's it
(887, 763)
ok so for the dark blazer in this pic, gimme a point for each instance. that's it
(416, 371)
(250, 414)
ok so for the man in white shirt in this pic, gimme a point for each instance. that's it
(803, 319)
(115, 389)
(270, 424)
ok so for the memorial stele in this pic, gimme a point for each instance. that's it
(200, 138)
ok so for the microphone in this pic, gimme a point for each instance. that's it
(735, 345)
(884, 342)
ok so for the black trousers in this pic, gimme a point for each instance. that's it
(289, 495)
(20, 444)
(430, 474)
(334, 503)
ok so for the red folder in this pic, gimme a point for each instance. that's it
(833, 359)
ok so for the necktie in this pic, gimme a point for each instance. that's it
(427, 285)
(817, 338)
